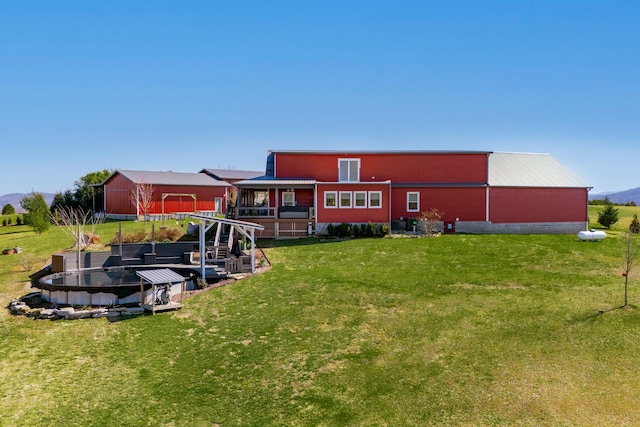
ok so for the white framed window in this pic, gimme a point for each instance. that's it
(360, 199)
(375, 199)
(288, 198)
(330, 199)
(345, 199)
(413, 202)
(349, 170)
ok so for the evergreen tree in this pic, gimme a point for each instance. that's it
(8, 209)
(38, 214)
(634, 227)
(608, 216)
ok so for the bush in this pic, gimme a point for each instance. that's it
(168, 234)
(18, 220)
(4, 222)
(343, 229)
(371, 229)
(384, 229)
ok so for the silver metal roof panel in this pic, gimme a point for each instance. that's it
(160, 276)
(172, 178)
(530, 170)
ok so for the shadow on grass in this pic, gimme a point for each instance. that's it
(592, 315)
(306, 241)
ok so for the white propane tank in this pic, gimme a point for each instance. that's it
(591, 235)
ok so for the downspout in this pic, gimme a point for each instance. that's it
(389, 203)
(487, 215)
(487, 204)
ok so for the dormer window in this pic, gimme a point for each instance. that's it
(348, 170)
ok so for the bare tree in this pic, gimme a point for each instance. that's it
(74, 223)
(630, 253)
(142, 198)
(429, 221)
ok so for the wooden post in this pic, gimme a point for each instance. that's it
(141, 292)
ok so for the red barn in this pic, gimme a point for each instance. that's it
(476, 191)
(129, 194)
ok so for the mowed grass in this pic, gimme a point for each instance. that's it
(453, 330)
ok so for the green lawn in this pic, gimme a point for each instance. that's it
(453, 330)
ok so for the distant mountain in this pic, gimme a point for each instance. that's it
(620, 197)
(14, 200)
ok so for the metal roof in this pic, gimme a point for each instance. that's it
(356, 152)
(266, 180)
(160, 276)
(170, 178)
(530, 170)
(224, 174)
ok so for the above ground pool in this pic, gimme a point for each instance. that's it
(101, 287)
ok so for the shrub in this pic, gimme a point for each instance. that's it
(343, 229)
(371, 229)
(384, 229)
(429, 221)
(331, 230)
(18, 220)
(168, 234)
(27, 260)
(4, 222)
(9, 221)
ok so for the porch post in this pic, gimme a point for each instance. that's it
(253, 251)
(202, 250)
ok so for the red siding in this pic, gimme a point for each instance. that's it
(397, 167)
(303, 196)
(353, 215)
(118, 201)
(537, 205)
(466, 204)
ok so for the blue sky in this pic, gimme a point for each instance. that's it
(182, 86)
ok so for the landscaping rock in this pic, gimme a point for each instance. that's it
(48, 313)
(64, 312)
(79, 314)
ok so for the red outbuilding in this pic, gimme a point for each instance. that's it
(475, 191)
(130, 194)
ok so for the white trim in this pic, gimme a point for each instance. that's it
(341, 193)
(335, 197)
(355, 199)
(417, 201)
(379, 193)
(293, 198)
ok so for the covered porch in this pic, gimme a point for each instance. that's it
(285, 208)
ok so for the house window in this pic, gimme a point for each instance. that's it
(288, 198)
(359, 199)
(345, 199)
(330, 199)
(348, 170)
(375, 199)
(413, 202)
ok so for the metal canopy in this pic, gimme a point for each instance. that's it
(244, 227)
(160, 276)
